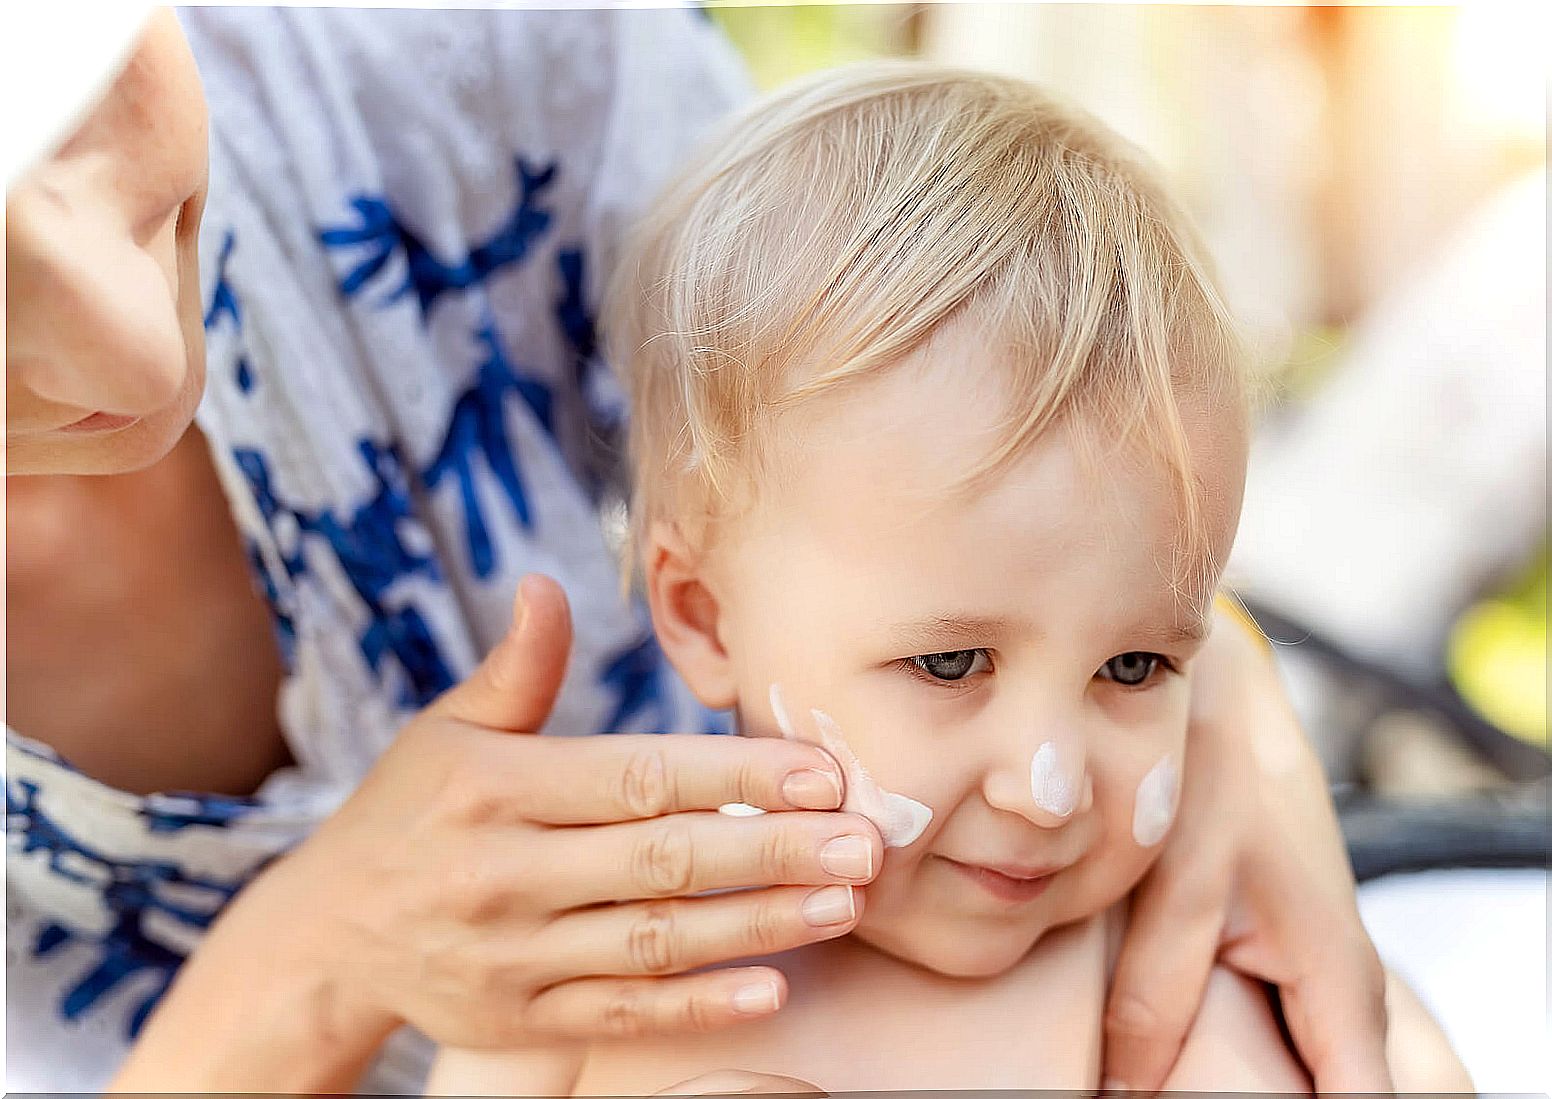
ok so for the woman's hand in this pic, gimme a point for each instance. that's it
(465, 888)
(1254, 874)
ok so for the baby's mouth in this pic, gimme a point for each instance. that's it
(1014, 884)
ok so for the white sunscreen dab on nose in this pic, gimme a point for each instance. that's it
(1158, 795)
(1053, 788)
(900, 820)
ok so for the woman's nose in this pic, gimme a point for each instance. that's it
(1047, 784)
(92, 319)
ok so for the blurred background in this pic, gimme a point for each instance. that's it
(1372, 182)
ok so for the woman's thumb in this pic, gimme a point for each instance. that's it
(515, 685)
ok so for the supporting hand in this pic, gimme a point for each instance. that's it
(1254, 875)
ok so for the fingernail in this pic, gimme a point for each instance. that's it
(759, 998)
(849, 857)
(829, 906)
(811, 789)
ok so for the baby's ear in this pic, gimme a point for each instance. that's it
(687, 616)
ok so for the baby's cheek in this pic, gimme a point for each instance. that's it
(1110, 871)
(1135, 799)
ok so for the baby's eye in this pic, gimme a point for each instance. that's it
(954, 665)
(1131, 669)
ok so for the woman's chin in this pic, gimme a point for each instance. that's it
(100, 447)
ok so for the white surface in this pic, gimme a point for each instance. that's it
(58, 59)
(1473, 945)
(1419, 472)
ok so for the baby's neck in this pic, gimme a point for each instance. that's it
(860, 1019)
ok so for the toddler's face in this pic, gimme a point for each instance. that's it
(1016, 659)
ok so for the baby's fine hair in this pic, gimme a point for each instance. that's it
(835, 225)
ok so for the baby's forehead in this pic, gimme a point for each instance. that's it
(875, 477)
(892, 462)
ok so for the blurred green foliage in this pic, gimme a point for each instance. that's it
(781, 42)
(1498, 655)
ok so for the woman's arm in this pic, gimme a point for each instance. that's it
(1254, 874)
(1421, 1057)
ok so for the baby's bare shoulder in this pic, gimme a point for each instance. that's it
(1235, 1043)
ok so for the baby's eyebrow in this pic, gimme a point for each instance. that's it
(949, 629)
(1187, 633)
(939, 632)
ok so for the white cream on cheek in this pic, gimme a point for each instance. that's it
(779, 711)
(1051, 784)
(1158, 796)
(900, 820)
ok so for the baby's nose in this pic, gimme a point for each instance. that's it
(1048, 786)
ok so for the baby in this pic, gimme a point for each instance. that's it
(939, 436)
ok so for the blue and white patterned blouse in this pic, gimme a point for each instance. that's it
(409, 216)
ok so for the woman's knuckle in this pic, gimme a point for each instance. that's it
(766, 929)
(469, 796)
(644, 786)
(698, 1014)
(468, 894)
(753, 781)
(1130, 1014)
(624, 1013)
(665, 862)
(651, 942)
(779, 853)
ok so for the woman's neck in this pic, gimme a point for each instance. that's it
(138, 647)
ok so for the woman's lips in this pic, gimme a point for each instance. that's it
(99, 422)
(1011, 884)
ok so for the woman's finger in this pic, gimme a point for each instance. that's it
(607, 779)
(1168, 953)
(634, 1007)
(687, 853)
(514, 687)
(1337, 1016)
(657, 938)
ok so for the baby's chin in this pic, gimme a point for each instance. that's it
(950, 947)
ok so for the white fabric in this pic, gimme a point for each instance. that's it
(408, 217)
(1473, 946)
(1419, 473)
(58, 60)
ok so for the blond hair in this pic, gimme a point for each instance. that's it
(837, 224)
